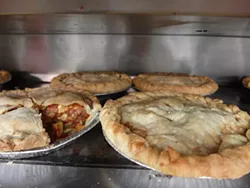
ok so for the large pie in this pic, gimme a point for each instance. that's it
(94, 82)
(34, 118)
(175, 82)
(180, 134)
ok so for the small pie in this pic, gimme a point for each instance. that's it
(175, 82)
(246, 82)
(180, 134)
(94, 82)
(4, 76)
(33, 118)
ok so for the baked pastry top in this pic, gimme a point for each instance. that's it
(22, 129)
(33, 118)
(175, 82)
(94, 82)
(179, 134)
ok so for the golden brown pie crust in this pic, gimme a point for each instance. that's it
(175, 82)
(246, 82)
(94, 82)
(228, 163)
(42, 97)
(4, 76)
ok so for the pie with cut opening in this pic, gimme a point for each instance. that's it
(34, 118)
(180, 134)
(95, 82)
(175, 82)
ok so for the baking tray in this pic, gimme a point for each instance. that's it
(52, 147)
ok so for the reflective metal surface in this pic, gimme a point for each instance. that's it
(123, 24)
(222, 58)
(42, 44)
(25, 175)
(205, 7)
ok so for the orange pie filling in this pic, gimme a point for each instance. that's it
(62, 121)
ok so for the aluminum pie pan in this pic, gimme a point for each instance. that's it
(124, 155)
(138, 162)
(52, 147)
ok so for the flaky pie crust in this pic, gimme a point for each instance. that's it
(43, 96)
(228, 163)
(118, 82)
(207, 86)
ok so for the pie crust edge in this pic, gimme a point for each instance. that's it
(229, 163)
(206, 89)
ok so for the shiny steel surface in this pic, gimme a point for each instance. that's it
(123, 24)
(42, 44)
(52, 147)
(222, 58)
(207, 7)
(26, 175)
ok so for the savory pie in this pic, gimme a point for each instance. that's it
(63, 112)
(175, 82)
(94, 82)
(4, 76)
(246, 82)
(180, 134)
(33, 118)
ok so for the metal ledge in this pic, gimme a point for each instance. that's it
(167, 7)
